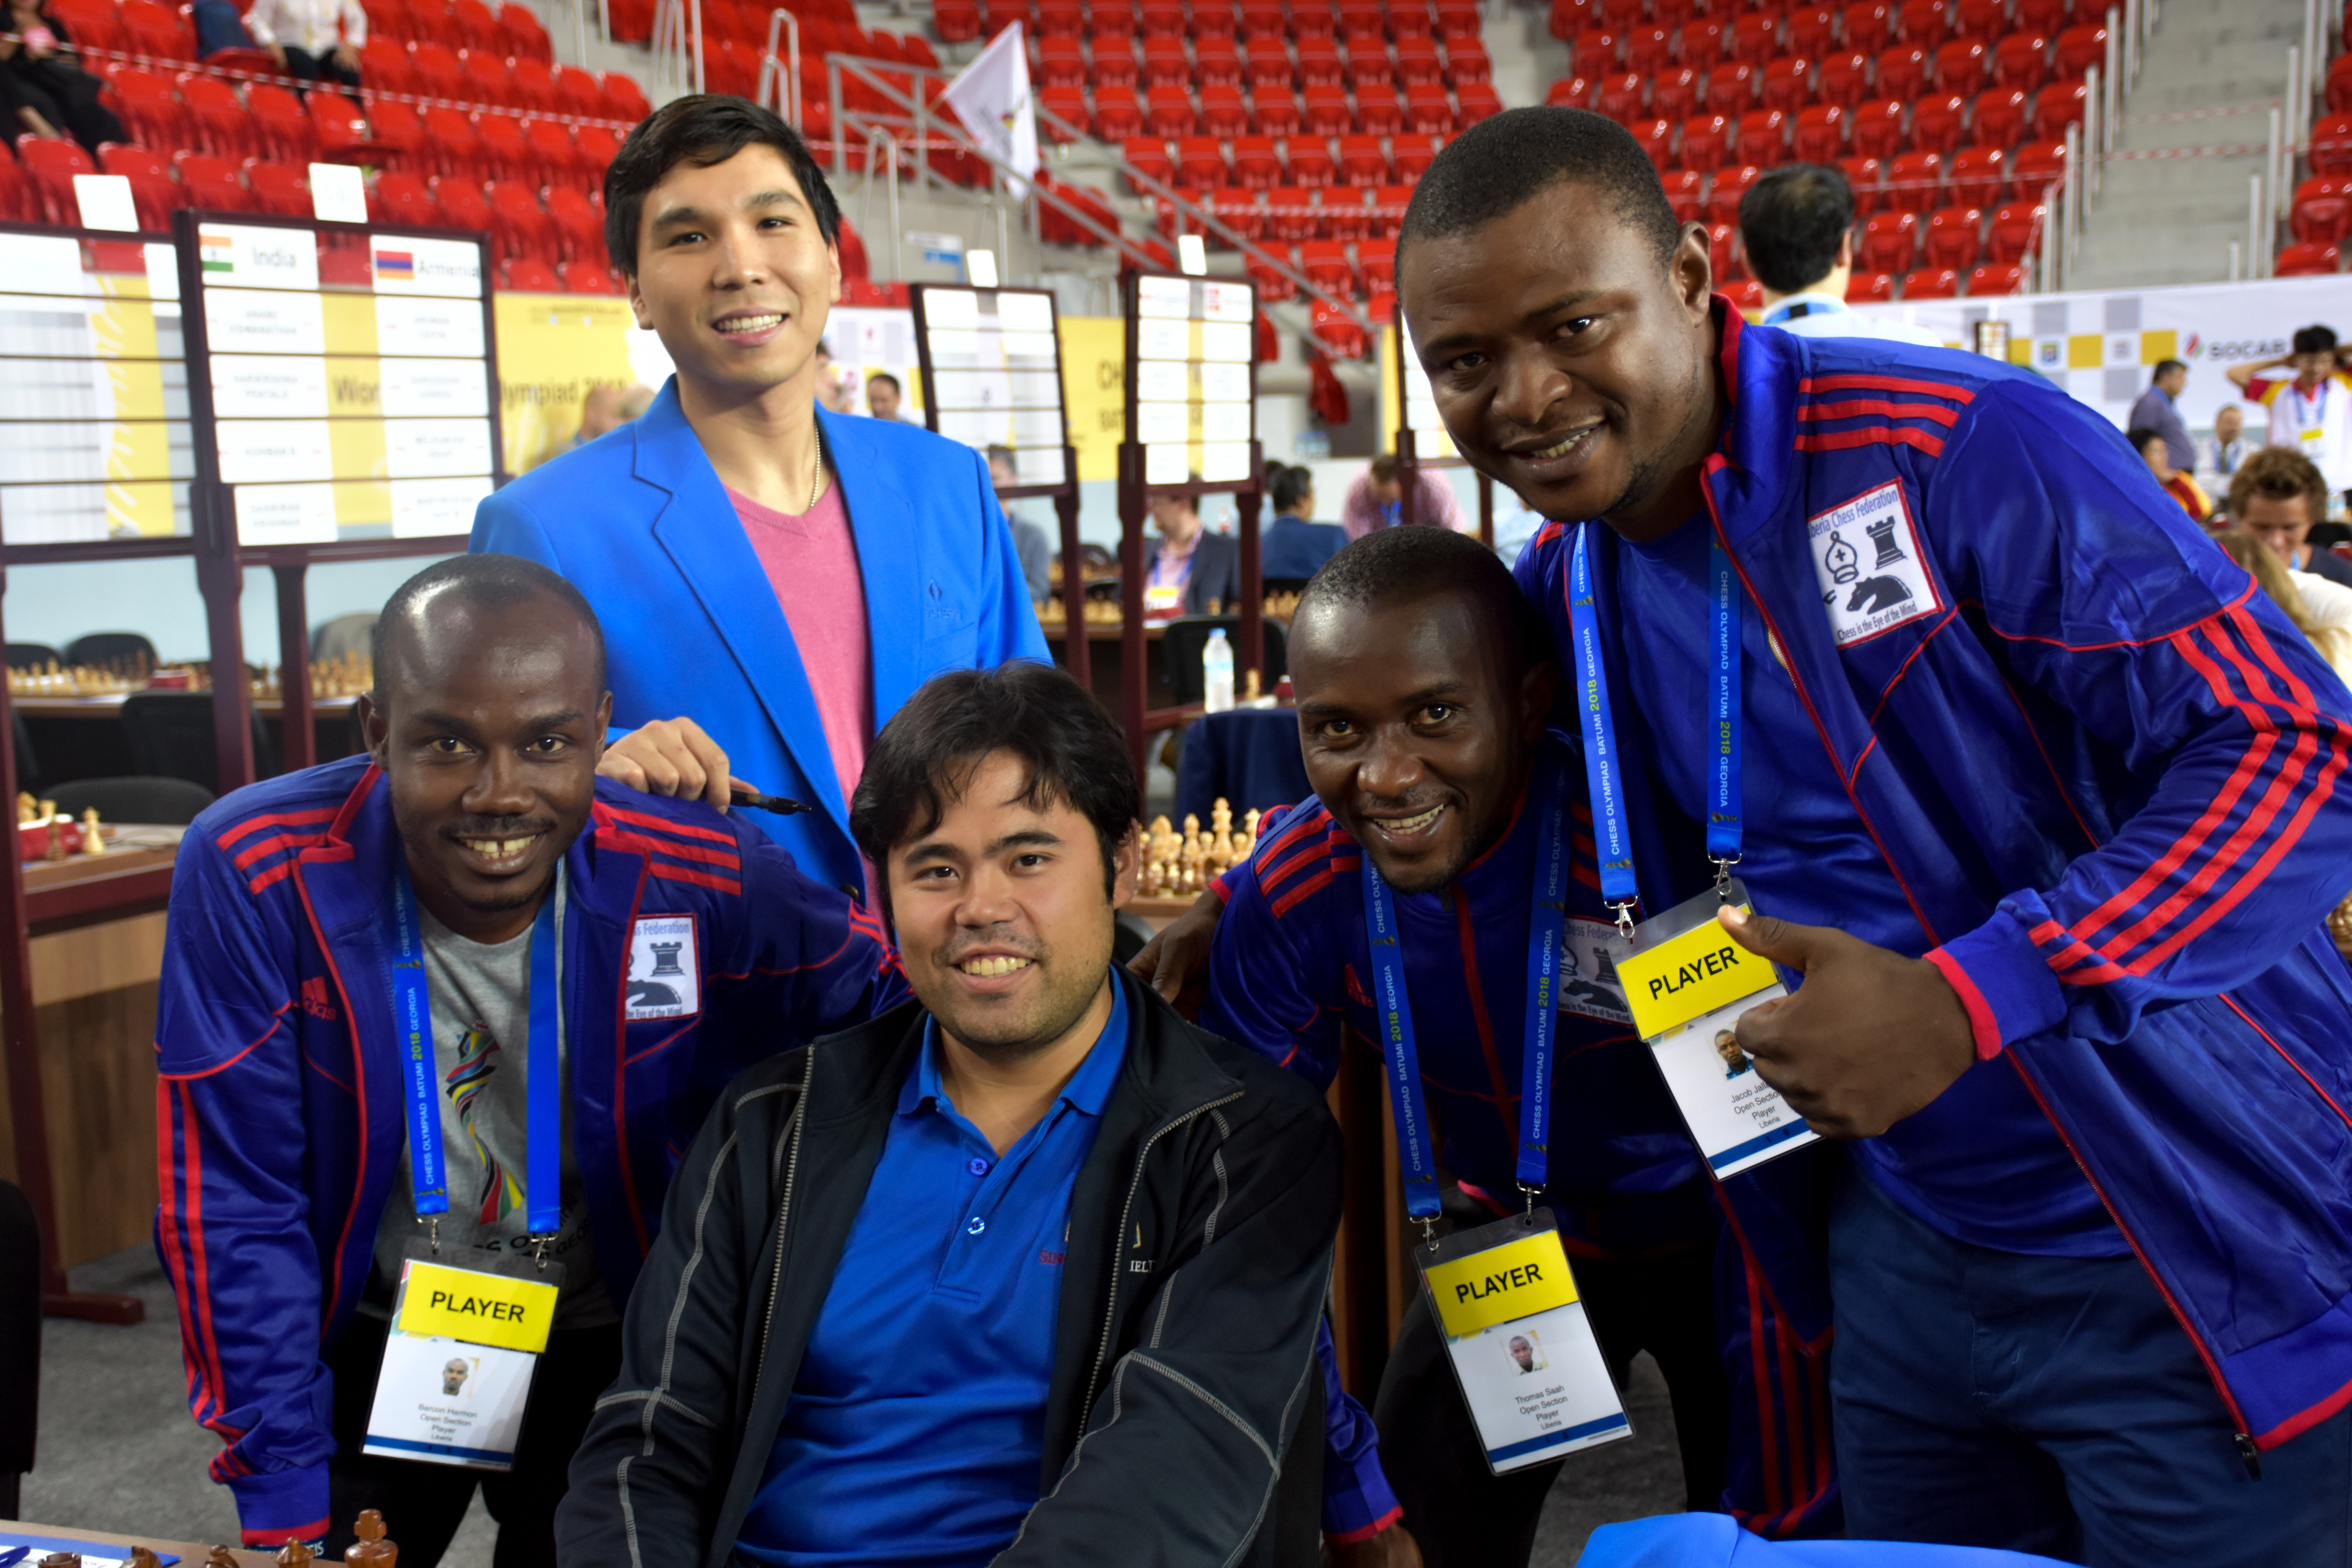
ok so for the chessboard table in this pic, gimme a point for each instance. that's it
(103, 1547)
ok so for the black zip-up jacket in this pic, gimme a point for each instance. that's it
(1200, 1232)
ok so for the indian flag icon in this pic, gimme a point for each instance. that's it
(216, 253)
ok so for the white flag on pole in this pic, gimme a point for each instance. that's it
(990, 96)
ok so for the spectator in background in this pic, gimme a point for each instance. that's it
(1797, 225)
(317, 41)
(1295, 546)
(2158, 409)
(2276, 495)
(2227, 449)
(833, 383)
(2321, 610)
(1030, 540)
(608, 407)
(45, 90)
(2155, 451)
(1377, 499)
(2311, 411)
(886, 399)
(1192, 572)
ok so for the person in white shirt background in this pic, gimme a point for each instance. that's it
(2311, 411)
(317, 41)
(1796, 225)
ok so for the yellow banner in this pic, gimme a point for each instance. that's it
(480, 1309)
(553, 349)
(1514, 1280)
(1694, 973)
(1093, 390)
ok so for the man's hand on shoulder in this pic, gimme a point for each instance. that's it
(672, 757)
(1391, 1548)
(1176, 962)
(1871, 1037)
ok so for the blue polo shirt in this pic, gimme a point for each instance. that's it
(916, 1424)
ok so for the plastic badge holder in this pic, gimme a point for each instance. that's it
(468, 1327)
(1687, 983)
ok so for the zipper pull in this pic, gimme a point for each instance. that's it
(2251, 1456)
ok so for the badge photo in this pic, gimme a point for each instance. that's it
(1872, 572)
(467, 1328)
(665, 977)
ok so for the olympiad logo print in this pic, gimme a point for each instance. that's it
(399, 264)
(1868, 561)
(216, 253)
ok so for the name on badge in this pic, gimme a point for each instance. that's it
(495, 1309)
(1501, 1284)
(1685, 976)
(1872, 572)
(664, 978)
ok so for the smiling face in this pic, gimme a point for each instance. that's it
(1570, 360)
(491, 725)
(734, 276)
(1003, 922)
(1415, 728)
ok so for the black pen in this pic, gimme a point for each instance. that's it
(742, 794)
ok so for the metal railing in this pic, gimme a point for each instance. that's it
(677, 65)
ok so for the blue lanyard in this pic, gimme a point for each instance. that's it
(1601, 775)
(543, 1103)
(1548, 906)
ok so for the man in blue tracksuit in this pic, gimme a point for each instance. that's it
(1424, 684)
(684, 947)
(786, 575)
(2042, 805)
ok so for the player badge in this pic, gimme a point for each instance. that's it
(1872, 572)
(664, 978)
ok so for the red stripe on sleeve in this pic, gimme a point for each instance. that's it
(1872, 435)
(1860, 406)
(698, 878)
(275, 819)
(640, 845)
(1813, 384)
(664, 824)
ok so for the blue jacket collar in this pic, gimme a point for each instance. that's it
(700, 530)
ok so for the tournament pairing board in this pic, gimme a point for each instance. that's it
(991, 368)
(1191, 379)
(347, 377)
(95, 440)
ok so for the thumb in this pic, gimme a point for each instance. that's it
(1782, 942)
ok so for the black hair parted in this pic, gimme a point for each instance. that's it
(488, 581)
(1288, 484)
(703, 128)
(927, 754)
(1506, 161)
(1389, 565)
(2315, 340)
(1790, 222)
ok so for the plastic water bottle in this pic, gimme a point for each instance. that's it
(1217, 673)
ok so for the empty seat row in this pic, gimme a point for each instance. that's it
(1288, 213)
(485, 79)
(958, 20)
(1116, 113)
(1166, 62)
(1768, 137)
(2019, 59)
(1879, 128)
(1863, 24)
(1259, 163)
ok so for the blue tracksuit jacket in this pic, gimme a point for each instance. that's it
(279, 1113)
(2106, 773)
(1290, 971)
(639, 523)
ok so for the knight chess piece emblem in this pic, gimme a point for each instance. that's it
(1896, 587)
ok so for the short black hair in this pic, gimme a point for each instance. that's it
(885, 375)
(1390, 564)
(493, 582)
(702, 127)
(929, 750)
(2165, 367)
(1508, 159)
(1790, 222)
(2143, 436)
(1289, 483)
(2315, 340)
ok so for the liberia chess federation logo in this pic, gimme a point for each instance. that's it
(1588, 986)
(664, 978)
(1866, 558)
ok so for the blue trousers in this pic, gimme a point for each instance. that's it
(2052, 1405)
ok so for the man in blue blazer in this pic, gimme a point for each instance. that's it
(727, 537)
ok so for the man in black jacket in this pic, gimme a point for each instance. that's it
(1026, 1272)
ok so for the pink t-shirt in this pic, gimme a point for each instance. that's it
(812, 564)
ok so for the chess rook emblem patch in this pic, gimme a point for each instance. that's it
(664, 978)
(1588, 986)
(1867, 560)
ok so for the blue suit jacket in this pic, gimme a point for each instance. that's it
(638, 521)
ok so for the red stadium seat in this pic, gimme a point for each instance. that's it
(1865, 176)
(1844, 77)
(1568, 17)
(1955, 237)
(452, 145)
(2339, 84)
(1914, 183)
(2016, 229)
(624, 99)
(1878, 128)
(1755, 38)
(1376, 260)
(1706, 142)
(436, 70)
(1812, 31)
(1997, 119)
(1657, 140)
(153, 192)
(474, 26)
(1467, 61)
(1937, 121)
(1413, 154)
(2078, 48)
(1821, 135)
(2020, 61)
(1996, 277)
(1215, 63)
(1319, 64)
(1257, 162)
(2058, 105)
(1730, 184)
(386, 66)
(524, 37)
(1324, 111)
(1325, 264)
(1870, 288)
(404, 199)
(1890, 241)
(1866, 25)
(1363, 161)
(1276, 112)
(506, 153)
(287, 134)
(579, 226)
(1921, 22)
(1113, 64)
(1169, 111)
(1902, 71)
(1224, 110)
(2307, 261)
(1649, 50)
(1932, 283)
(1961, 65)
(462, 203)
(1119, 113)
(1977, 176)
(1291, 214)
(216, 116)
(483, 77)
(1381, 113)
(1763, 137)
(1621, 96)
(1674, 93)
(529, 274)
(89, 24)
(1200, 160)
(1787, 85)
(1165, 63)
(2036, 166)
(279, 188)
(2322, 214)
(212, 183)
(1568, 92)
(519, 226)
(2041, 16)
(1308, 159)
(533, 84)
(1705, 41)
(1722, 256)
(1596, 52)
(1731, 88)
(1338, 333)
(1685, 187)
(1745, 294)
(1982, 18)
(150, 28)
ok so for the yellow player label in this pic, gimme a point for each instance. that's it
(1686, 976)
(480, 1309)
(1501, 1284)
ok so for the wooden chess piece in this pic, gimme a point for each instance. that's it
(295, 1554)
(221, 1558)
(142, 1558)
(373, 1551)
(61, 1560)
(93, 842)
